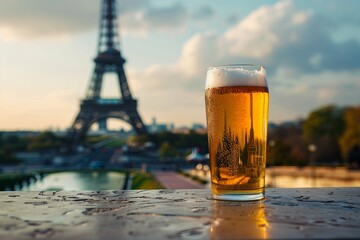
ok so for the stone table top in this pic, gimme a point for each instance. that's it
(179, 214)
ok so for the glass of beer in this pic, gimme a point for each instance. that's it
(237, 102)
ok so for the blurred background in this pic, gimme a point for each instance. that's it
(311, 50)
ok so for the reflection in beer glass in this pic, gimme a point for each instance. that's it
(235, 220)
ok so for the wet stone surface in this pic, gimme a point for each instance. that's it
(179, 214)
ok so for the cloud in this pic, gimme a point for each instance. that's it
(232, 19)
(198, 53)
(203, 13)
(313, 90)
(288, 41)
(162, 92)
(306, 67)
(44, 18)
(279, 36)
(129, 7)
(150, 18)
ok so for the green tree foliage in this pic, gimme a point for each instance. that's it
(1, 141)
(326, 120)
(287, 146)
(7, 158)
(181, 140)
(145, 181)
(323, 128)
(350, 139)
(167, 150)
(137, 140)
(45, 141)
(14, 143)
(95, 139)
(11, 144)
(328, 150)
(279, 154)
(8, 146)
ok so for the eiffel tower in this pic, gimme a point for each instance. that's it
(108, 60)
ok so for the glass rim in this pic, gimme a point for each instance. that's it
(246, 65)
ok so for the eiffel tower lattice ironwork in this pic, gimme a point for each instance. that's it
(94, 108)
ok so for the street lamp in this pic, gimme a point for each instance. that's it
(312, 149)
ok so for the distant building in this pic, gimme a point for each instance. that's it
(293, 124)
(183, 130)
(296, 124)
(155, 127)
(199, 128)
(272, 125)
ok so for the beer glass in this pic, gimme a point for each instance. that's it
(237, 99)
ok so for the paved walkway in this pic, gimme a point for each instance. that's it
(173, 180)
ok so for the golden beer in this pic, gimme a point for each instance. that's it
(237, 118)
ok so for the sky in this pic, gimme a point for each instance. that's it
(311, 49)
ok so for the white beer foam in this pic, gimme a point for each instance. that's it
(226, 76)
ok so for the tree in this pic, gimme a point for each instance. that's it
(278, 154)
(350, 139)
(166, 150)
(7, 158)
(137, 140)
(14, 143)
(327, 120)
(45, 141)
(1, 141)
(323, 128)
(287, 145)
(181, 141)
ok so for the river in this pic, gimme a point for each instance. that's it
(299, 177)
(93, 180)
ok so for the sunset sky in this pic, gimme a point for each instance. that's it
(311, 49)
